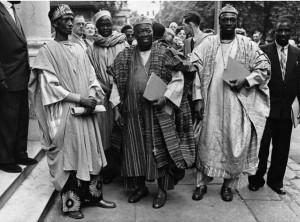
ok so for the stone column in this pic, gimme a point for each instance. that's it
(35, 23)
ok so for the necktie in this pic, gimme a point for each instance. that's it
(16, 18)
(282, 62)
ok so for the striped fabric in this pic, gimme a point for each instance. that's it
(152, 141)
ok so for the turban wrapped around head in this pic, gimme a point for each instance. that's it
(228, 9)
(61, 10)
(100, 14)
(142, 20)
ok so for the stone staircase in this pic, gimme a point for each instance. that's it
(26, 196)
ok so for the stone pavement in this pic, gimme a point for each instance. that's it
(262, 206)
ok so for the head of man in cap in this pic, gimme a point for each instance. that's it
(62, 18)
(143, 32)
(104, 23)
(228, 21)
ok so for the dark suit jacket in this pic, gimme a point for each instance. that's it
(14, 64)
(283, 93)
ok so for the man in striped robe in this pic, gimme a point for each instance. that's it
(154, 147)
(63, 78)
(234, 114)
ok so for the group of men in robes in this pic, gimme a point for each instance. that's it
(157, 136)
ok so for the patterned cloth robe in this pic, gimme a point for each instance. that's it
(233, 122)
(153, 145)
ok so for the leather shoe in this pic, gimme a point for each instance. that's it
(105, 204)
(75, 214)
(199, 192)
(138, 195)
(255, 187)
(226, 193)
(11, 168)
(160, 200)
(26, 161)
(279, 191)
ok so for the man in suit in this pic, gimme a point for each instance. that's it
(284, 87)
(257, 38)
(14, 76)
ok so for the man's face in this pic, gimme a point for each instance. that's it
(283, 33)
(228, 22)
(173, 26)
(78, 28)
(64, 24)
(104, 26)
(256, 37)
(89, 30)
(144, 34)
(129, 35)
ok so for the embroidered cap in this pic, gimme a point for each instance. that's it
(61, 10)
(142, 20)
(229, 9)
(100, 14)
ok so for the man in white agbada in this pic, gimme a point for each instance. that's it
(63, 78)
(234, 114)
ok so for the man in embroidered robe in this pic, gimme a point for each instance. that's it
(63, 78)
(153, 146)
(102, 54)
(234, 113)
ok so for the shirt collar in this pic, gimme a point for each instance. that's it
(77, 36)
(279, 46)
(6, 4)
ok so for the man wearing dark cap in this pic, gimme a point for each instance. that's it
(158, 31)
(153, 146)
(62, 81)
(14, 76)
(234, 111)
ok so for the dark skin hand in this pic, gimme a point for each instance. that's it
(89, 103)
(160, 103)
(198, 106)
(3, 87)
(118, 117)
(238, 84)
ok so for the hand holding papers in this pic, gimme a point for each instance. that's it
(295, 113)
(77, 111)
(235, 71)
(155, 88)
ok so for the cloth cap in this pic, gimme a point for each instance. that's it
(229, 9)
(61, 10)
(142, 20)
(100, 14)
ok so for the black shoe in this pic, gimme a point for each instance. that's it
(26, 161)
(160, 200)
(75, 214)
(11, 168)
(199, 192)
(254, 187)
(138, 195)
(279, 191)
(226, 193)
(105, 204)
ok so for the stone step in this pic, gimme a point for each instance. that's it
(30, 199)
(10, 182)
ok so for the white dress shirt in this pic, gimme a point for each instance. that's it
(8, 6)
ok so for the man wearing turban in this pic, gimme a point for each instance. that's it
(62, 79)
(234, 112)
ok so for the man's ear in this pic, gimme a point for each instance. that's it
(54, 24)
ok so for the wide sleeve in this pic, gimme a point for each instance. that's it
(260, 68)
(174, 90)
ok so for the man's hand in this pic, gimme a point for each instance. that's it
(238, 84)
(89, 103)
(118, 117)
(160, 103)
(3, 87)
(198, 106)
